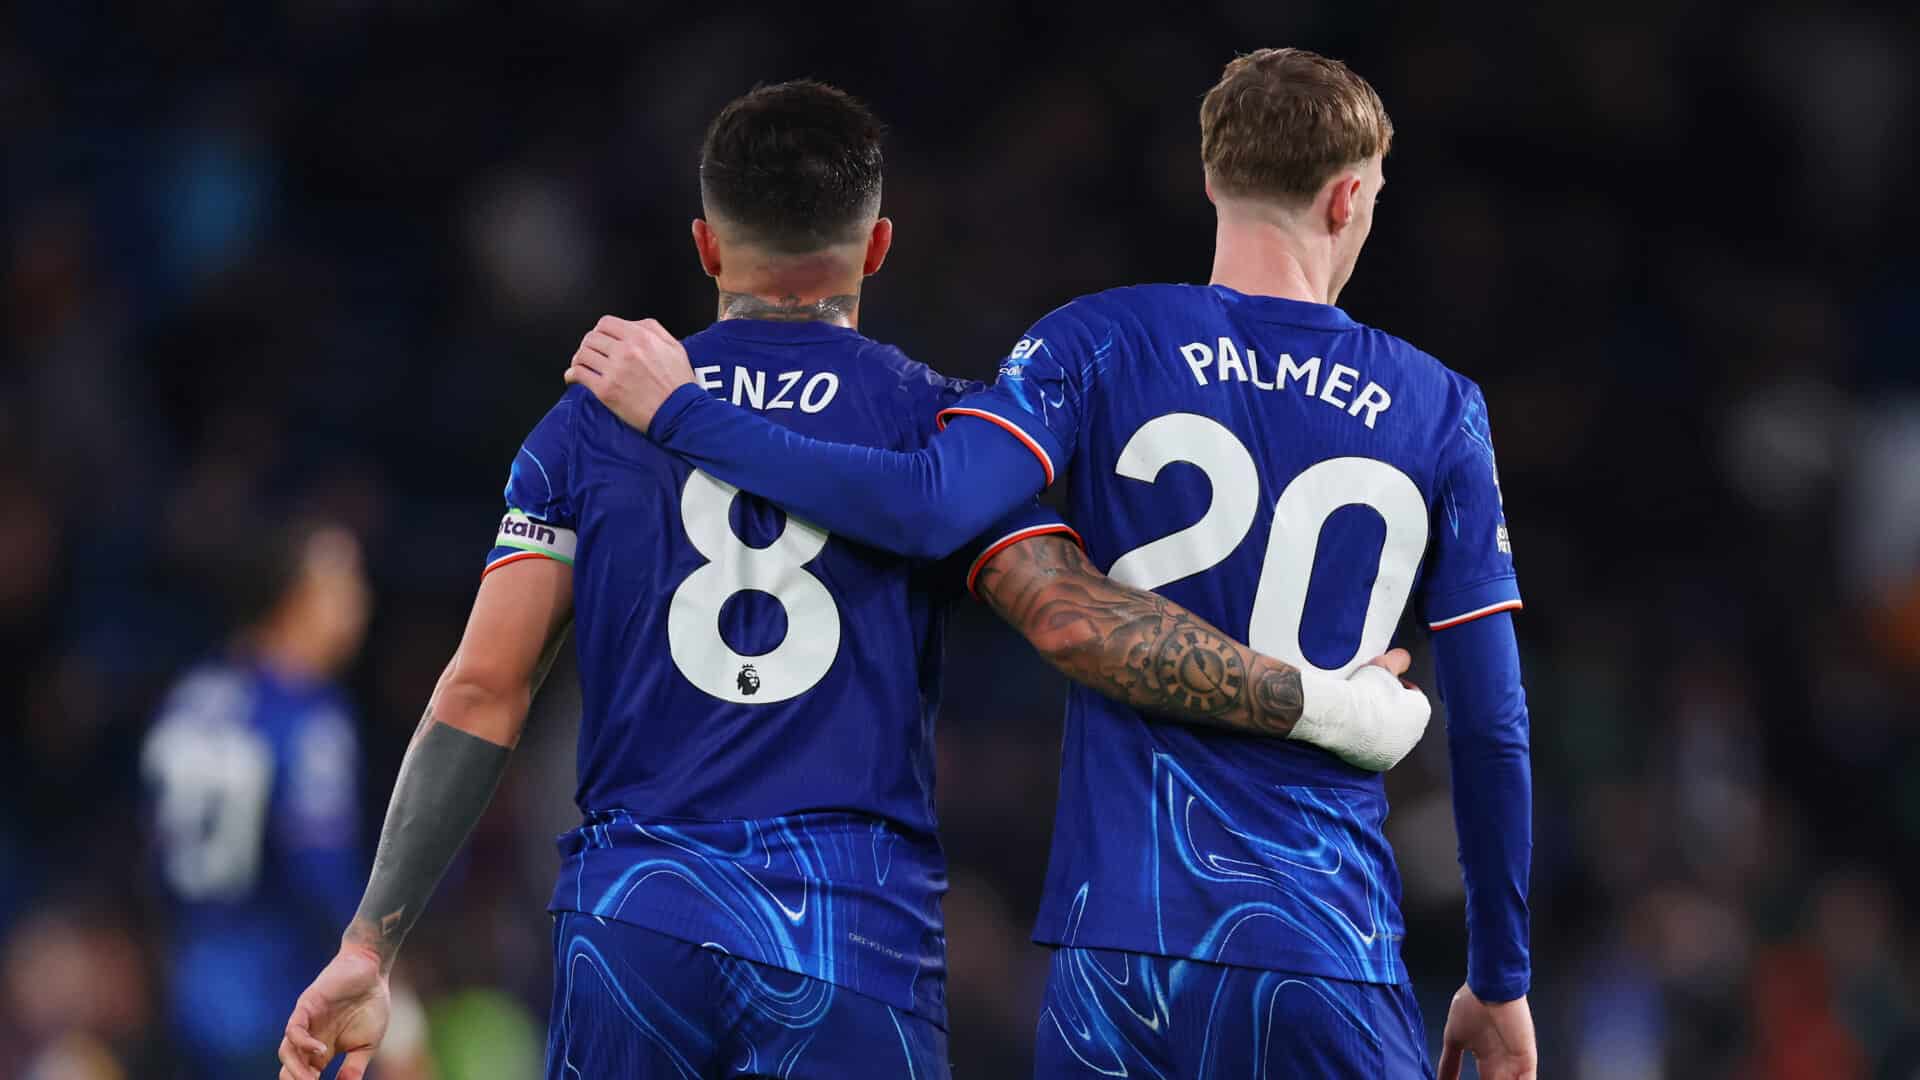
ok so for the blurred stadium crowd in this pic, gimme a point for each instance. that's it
(332, 258)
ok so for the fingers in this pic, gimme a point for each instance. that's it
(313, 1048)
(302, 1056)
(629, 364)
(599, 342)
(355, 1066)
(1396, 661)
(299, 1031)
(626, 330)
(293, 1066)
(583, 372)
(303, 1040)
(1461, 1019)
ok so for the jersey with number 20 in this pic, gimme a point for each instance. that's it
(1296, 478)
(756, 745)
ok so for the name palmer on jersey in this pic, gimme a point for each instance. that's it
(1328, 381)
(1266, 854)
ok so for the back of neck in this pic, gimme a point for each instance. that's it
(839, 309)
(1261, 258)
(791, 289)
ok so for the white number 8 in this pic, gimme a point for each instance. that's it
(812, 642)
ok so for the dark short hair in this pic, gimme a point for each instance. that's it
(797, 164)
(250, 571)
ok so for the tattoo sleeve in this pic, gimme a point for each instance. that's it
(445, 784)
(1134, 646)
(446, 781)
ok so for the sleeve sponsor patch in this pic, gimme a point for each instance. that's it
(523, 533)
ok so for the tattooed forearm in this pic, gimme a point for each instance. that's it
(445, 783)
(830, 309)
(1134, 646)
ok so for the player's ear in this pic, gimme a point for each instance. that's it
(707, 243)
(879, 242)
(1343, 202)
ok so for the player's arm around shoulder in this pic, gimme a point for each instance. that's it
(633, 367)
(1148, 652)
(452, 765)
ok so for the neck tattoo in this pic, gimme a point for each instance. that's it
(828, 309)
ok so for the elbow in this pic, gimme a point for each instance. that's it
(943, 543)
(482, 700)
(1492, 738)
(929, 533)
(1064, 643)
(1509, 752)
(939, 531)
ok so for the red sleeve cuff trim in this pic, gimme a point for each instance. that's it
(1504, 605)
(513, 558)
(1012, 538)
(1026, 440)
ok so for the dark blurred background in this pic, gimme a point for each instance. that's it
(332, 257)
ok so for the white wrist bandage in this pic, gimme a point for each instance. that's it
(1368, 719)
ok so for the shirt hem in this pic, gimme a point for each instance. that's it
(1287, 961)
(684, 930)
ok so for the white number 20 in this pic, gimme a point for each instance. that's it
(803, 657)
(1280, 600)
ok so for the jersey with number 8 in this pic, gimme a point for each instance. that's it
(1300, 480)
(805, 653)
(756, 755)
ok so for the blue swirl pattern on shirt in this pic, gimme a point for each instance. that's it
(839, 897)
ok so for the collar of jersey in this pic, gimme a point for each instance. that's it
(1279, 309)
(771, 330)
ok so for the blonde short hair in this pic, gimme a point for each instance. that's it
(1281, 122)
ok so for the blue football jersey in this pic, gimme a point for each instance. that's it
(1298, 479)
(756, 745)
(255, 799)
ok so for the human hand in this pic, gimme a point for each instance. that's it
(344, 1011)
(1499, 1036)
(632, 367)
(1372, 719)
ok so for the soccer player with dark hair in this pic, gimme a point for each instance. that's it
(755, 889)
(1218, 905)
(253, 767)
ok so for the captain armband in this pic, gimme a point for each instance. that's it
(522, 537)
